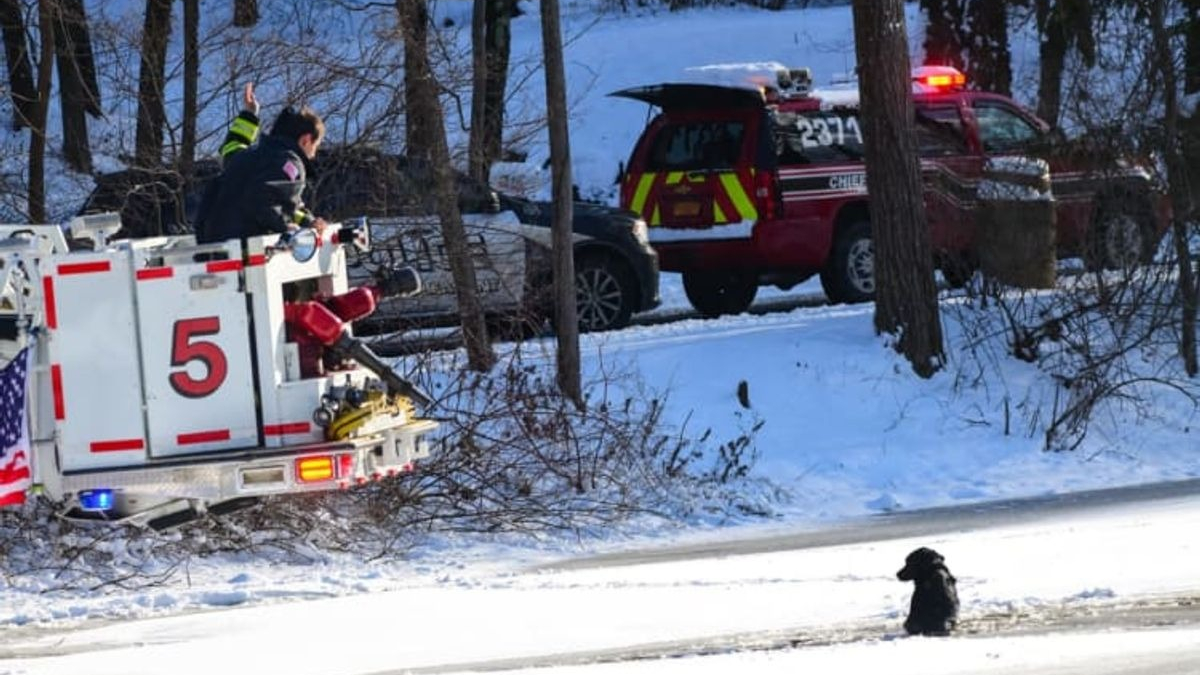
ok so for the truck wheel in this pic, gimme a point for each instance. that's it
(1121, 235)
(714, 293)
(605, 293)
(849, 274)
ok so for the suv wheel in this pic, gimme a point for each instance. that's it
(849, 275)
(1121, 235)
(714, 293)
(604, 292)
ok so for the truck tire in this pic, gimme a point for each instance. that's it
(1122, 233)
(849, 274)
(714, 293)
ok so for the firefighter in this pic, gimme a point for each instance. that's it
(259, 189)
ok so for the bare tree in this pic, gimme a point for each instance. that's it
(566, 323)
(245, 13)
(906, 297)
(428, 109)
(1164, 63)
(152, 116)
(987, 39)
(417, 134)
(191, 83)
(77, 86)
(16, 55)
(1063, 24)
(37, 128)
(498, 40)
(943, 32)
(1191, 30)
(477, 160)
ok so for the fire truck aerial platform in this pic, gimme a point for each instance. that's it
(166, 378)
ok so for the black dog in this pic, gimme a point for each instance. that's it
(934, 609)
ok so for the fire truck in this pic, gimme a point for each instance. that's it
(167, 379)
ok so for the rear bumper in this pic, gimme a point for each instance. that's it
(255, 472)
(646, 267)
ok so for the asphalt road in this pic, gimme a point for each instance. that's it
(903, 525)
(1066, 617)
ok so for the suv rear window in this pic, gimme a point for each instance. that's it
(690, 146)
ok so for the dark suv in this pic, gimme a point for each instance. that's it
(759, 184)
(616, 269)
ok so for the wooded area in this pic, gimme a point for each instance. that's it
(404, 80)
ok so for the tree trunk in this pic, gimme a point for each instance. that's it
(1063, 25)
(416, 49)
(1164, 63)
(152, 115)
(477, 165)
(74, 98)
(1052, 53)
(498, 38)
(191, 80)
(20, 71)
(79, 37)
(943, 25)
(245, 13)
(424, 95)
(566, 321)
(990, 60)
(37, 128)
(906, 297)
(1191, 27)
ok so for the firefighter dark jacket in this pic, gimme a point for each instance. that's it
(259, 189)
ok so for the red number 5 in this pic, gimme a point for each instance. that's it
(185, 350)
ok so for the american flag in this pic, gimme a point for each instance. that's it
(15, 475)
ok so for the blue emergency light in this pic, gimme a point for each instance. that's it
(96, 500)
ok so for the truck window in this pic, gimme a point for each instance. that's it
(1002, 129)
(940, 131)
(694, 146)
(817, 136)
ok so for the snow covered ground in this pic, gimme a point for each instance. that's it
(504, 614)
(848, 432)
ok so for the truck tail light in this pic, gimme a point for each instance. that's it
(315, 469)
(345, 465)
(766, 195)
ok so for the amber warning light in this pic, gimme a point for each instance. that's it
(939, 78)
(315, 469)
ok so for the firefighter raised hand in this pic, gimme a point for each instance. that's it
(249, 102)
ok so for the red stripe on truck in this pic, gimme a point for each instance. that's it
(60, 409)
(215, 436)
(156, 273)
(119, 445)
(287, 428)
(84, 268)
(224, 266)
(51, 308)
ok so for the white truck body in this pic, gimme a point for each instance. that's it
(161, 372)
